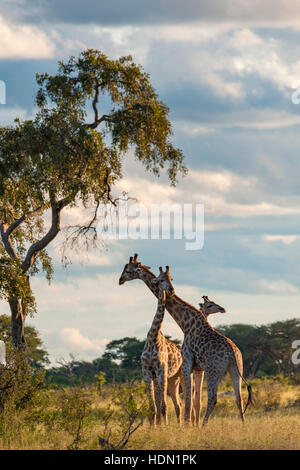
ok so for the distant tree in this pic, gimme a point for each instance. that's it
(83, 372)
(59, 159)
(127, 351)
(120, 362)
(266, 349)
(37, 354)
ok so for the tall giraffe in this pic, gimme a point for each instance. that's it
(162, 361)
(204, 349)
(161, 358)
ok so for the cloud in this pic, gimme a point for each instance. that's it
(78, 343)
(278, 287)
(258, 119)
(8, 115)
(286, 239)
(222, 192)
(226, 71)
(255, 12)
(24, 41)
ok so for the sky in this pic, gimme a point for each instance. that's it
(229, 72)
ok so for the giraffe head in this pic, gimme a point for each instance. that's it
(132, 270)
(208, 307)
(164, 282)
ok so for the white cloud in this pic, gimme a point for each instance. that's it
(223, 193)
(286, 239)
(24, 42)
(279, 287)
(8, 115)
(194, 130)
(192, 33)
(245, 38)
(248, 119)
(76, 342)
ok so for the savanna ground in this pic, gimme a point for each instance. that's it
(102, 416)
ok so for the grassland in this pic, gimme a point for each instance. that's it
(52, 422)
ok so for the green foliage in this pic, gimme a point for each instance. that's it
(121, 362)
(266, 349)
(74, 405)
(125, 414)
(13, 283)
(126, 350)
(38, 356)
(59, 155)
(21, 389)
(76, 417)
(57, 159)
(137, 118)
(100, 381)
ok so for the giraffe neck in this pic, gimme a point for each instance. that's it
(157, 322)
(179, 310)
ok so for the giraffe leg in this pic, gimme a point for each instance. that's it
(237, 385)
(212, 389)
(182, 384)
(173, 388)
(157, 395)
(150, 392)
(188, 383)
(163, 386)
(198, 382)
(193, 412)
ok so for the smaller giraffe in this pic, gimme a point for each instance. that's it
(208, 307)
(161, 358)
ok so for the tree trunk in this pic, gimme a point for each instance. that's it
(18, 316)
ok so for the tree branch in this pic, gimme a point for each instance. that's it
(95, 124)
(7, 242)
(97, 120)
(56, 208)
(6, 231)
(95, 101)
(24, 217)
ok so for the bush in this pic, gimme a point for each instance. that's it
(125, 414)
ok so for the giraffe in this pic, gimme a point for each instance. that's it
(208, 305)
(204, 349)
(161, 358)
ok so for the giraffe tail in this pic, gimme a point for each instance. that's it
(250, 400)
(250, 396)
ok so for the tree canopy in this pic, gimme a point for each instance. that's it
(71, 154)
(266, 349)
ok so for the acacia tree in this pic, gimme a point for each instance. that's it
(59, 159)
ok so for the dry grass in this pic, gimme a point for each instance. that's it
(274, 423)
(275, 430)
